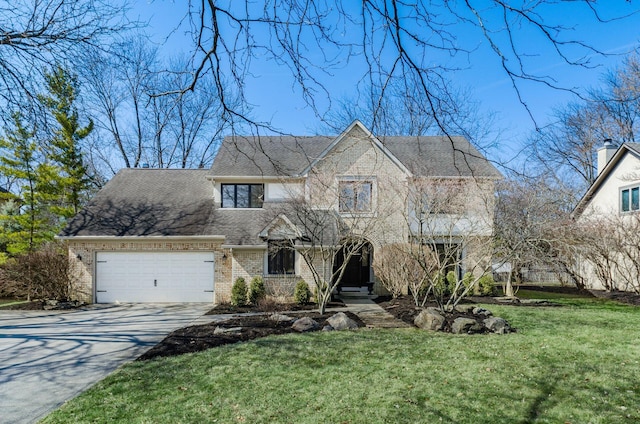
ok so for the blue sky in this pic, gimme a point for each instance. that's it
(274, 99)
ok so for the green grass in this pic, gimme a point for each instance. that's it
(546, 295)
(10, 302)
(573, 364)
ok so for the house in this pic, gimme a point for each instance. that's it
(160, 235)
(608, 214)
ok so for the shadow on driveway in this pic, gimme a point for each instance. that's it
(49, 357)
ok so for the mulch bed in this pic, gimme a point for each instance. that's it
(227, 308)
(201, 337)
(622, 297)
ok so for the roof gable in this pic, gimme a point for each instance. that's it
(622, 152)
(353, 128)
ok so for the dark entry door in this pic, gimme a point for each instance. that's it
(357, 270)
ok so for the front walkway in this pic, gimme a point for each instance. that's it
(372, 314)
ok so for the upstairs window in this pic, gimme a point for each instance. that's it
(355, 196)
(242, 195)
(282, 258)
(630, 199)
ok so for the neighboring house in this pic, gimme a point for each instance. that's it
(158, 235)
(609, 213)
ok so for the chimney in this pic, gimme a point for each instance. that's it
(605, 153)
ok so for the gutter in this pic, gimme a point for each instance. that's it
(134, 238)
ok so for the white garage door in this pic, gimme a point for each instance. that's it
(154, 277)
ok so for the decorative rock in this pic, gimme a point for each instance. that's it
(280, 318)
(511, 300)
(341, 321)
(497, 325)
(305, 324)
(481, 312)
(465, 325)
(429, 319)
(232, 330)
(464, 309)
(55, 304)
(327, 328)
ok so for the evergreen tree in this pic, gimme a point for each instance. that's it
(24, 218)
(72, 181)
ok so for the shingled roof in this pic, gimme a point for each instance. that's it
(179, 202)
(148, 202)
(432, 156)
(170, 202)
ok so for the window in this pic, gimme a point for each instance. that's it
(242, 195)
(630, 199)
(355, 196)
(282, 258)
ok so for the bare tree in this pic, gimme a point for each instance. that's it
(532, 227)
(39, 34)
(138, 126)
(610, 251)
(451, 236)
(399, 271)
(566, 149)
(382, 40)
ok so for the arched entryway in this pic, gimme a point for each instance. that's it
(357, 272)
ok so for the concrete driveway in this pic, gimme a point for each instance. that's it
(47, 358)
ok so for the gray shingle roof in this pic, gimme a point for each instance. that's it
(168, 202)
(148, 202)
(440, 156)
(172, 202)
(288, 156)
(271, 156)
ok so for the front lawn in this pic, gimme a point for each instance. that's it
(578, 363)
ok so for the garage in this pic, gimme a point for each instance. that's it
(148, 277)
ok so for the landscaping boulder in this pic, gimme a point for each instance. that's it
(481, 312)
(464, 309)
(341, 321)
(465, 326)
(429, 319)
(327, 328)
(232, 330)
(305, 324)
(497, 325)
(280, 318)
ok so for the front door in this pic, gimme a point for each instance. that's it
(357, 272)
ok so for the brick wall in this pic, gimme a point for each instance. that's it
(82, 256)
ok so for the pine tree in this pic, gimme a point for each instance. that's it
(24, 218)
(72, 182)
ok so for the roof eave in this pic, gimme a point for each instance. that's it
(97, 237)
(368, 133)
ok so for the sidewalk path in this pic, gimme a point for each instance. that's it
(372, 314)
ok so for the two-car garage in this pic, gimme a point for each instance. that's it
(148, 277)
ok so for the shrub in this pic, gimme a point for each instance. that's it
(397, 268)
(239, 292)
(44, 274)
(302, 294)
(486, 286)
(256, 290)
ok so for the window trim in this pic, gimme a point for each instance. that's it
(280, 264)
(357, 181)
(235, 196)
(626, 197)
